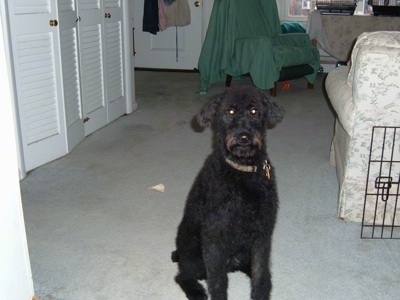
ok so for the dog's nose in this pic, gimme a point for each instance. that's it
(243, 139)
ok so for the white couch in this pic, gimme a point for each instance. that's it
(364, 94)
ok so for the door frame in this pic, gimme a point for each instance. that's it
(16, 275)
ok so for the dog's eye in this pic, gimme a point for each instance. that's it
(231, 112)
(253, 111)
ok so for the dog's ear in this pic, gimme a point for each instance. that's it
(274, 113)
(206, 116)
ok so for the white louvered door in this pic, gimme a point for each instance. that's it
(70, 72)
(38, 74)
(101, 49)
(113, 58)
(91, 63)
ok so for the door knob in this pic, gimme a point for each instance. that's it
(197, 3)
(53, 22)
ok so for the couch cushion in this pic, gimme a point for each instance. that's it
(340, 95)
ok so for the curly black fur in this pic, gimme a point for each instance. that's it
(230, 214)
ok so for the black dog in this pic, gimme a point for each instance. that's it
(231, 209)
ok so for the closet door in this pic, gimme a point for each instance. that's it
(70, 72)
(102, 65)
(113, 58)
(90, 28)
(35, 46)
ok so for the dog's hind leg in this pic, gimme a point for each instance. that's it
(188, 277)
(189, 258)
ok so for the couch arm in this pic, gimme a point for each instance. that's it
(389, 39)
(376, 85)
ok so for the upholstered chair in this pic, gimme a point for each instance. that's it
(366, 94)
(244, 37)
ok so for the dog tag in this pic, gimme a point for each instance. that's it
(266, 168)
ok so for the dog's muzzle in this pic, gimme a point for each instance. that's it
(243, 144)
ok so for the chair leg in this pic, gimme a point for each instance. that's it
(310, 86)
(228, 80)
(272, 91)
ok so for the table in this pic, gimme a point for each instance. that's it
(336, 34)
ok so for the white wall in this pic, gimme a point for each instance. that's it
(15, 272)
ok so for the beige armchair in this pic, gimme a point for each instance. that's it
(364, 94)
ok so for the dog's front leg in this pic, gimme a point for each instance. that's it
(260, 273)
(217, 277)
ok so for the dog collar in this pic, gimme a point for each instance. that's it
(251, 169)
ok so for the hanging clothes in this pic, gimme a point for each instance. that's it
(162, 15)
(178, 13)
(150, 16)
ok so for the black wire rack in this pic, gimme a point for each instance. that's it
(381, 213)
